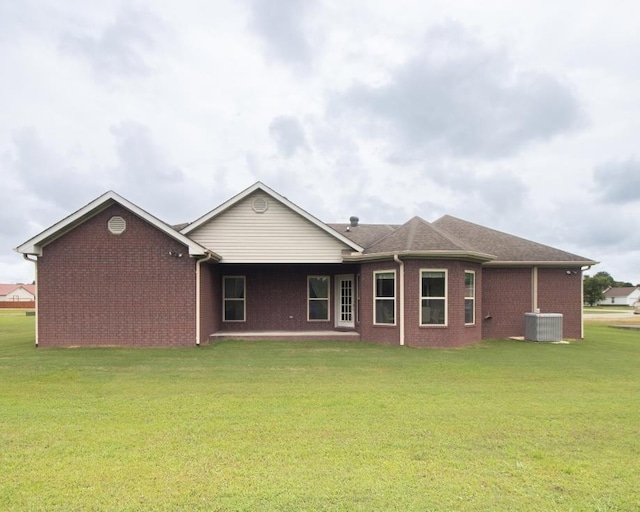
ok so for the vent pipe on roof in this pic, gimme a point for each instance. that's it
(354, 221)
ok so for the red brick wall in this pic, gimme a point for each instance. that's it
(276, 296)
(96, 288)
(559, 292)
(377, 333)
(456, 333)
(507, 296)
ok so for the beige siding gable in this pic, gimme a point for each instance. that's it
(261, 229)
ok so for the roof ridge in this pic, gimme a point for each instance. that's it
(413, 227)
(379, 240)
(453, 239)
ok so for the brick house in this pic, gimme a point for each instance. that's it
(258, 266)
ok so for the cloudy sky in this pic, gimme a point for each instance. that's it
(521, 116)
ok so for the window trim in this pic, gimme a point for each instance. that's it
(357, 285)
(243, 299)
(327, 299)
(445, 298)
(473, 309)
(376, 298)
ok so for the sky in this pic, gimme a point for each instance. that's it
(520, 116)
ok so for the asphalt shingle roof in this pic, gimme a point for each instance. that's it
(450, 234)
(620, 291)
(503, 246)
(415, 235)
(364, 235)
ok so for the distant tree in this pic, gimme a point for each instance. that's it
(595, 286)
(605, 277)
(622, 284)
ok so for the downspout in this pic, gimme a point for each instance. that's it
(397, 259)
(208, 257)
(582, 271)
(534, 290)
(35, 266)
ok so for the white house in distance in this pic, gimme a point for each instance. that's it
(17, 292)
(620, 296)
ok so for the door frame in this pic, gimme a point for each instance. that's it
(339, 322)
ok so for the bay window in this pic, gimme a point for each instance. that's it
(433, 297)
(384, 293)
(469, 297)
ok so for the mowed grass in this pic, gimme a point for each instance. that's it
(501, 425)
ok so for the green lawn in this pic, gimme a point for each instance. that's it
(501, 425)
(616, 308)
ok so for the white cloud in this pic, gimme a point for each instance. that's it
(288, 135)
(460, 98)
(618, 181)
(517, 116)
(121, 47)
(281, 27)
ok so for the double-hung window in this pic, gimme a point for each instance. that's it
(233, 298)
(318, 298)
(469, 297)
(384, 292)
(433, 297)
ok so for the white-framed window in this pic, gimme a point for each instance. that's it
(384, 297)
(433, 297)
(317, 298)
(233, 299)
(469, 297)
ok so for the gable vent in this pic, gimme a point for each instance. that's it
(117, 225)
(260, 204)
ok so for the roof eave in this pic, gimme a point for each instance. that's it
(423, 255)
(538, 263)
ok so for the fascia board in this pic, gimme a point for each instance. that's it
(467, 255)
(571, 263)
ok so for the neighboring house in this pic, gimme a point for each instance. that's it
(260, 267)
(17, 292)
(620, 296)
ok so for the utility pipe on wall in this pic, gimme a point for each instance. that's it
(35, 265)
(401, 301)
(534, 290)
(582, 271)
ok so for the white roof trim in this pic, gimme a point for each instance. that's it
(420, 254)
(544, 263)
(34, 245)
(261, 186)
